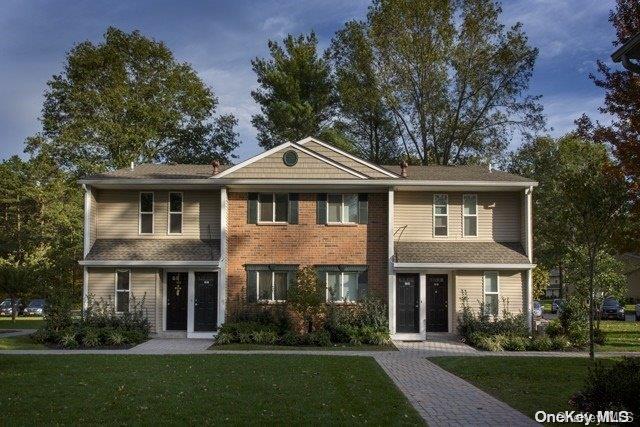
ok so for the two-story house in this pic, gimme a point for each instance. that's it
(193, 240)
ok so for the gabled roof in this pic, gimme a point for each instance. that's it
(457, 173)
(160, 171)
(154, 250)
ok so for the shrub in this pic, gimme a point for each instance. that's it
(318, 339)
(574, 319)
(224, 338)
(115, 338)
(470, 322)
(560, 343)
(612, 388)
(91, 338)
(540, 343)
(306, 296)
(41, 336)
(515, 343)
(264, 337)
(290, 338)
(554, 328)
(68, 339)
(365, 322)
(490, 343)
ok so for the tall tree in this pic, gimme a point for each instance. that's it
(622, 103)
(454, 77)
(127, 99)
(296, 91)
(367, 121)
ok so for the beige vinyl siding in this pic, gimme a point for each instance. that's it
(93, 221)
(510, 286)
(499, 216)
(523, 221)
(102, 285)
(344, 160)
(308, 166)
(117, 215)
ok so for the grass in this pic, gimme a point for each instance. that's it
(620, 336)
(23, 342)
(221, 389)
(20, 323)
(546, 304)
(528, 384)
(336, 347)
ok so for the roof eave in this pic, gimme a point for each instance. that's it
(149, 263)
(462, 266)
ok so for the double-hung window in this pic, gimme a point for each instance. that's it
(272, 285)
(123, 289)
(273, 207)
(342, 208)
(491, 288)
(470, 215)
(342, 285)
(175, 213)
(440, 215)
(145, 212)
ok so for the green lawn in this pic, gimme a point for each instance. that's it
(620, 336)
(339, 347)
(23, 342)
(528, 384)
(221, 389)
(20, 323)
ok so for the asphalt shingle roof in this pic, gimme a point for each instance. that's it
(154, 250)
(461, 252)
(456, 173)
(161, 171)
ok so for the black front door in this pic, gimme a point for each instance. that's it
(437, 313)
(177, 301)
(206, 302)
(407, 303)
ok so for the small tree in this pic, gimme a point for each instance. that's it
(540, 281)
(306, 296)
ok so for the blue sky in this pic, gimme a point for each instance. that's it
(220, 38)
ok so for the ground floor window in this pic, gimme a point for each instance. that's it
(272, 286)
(123, 289)
(346, 286)
(491, 288)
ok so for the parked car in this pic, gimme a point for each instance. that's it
(6, 308)
(556, 305)
(612, 309)
(538, 309)
(35, 308)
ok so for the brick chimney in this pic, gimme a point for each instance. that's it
(403, 168)
(216, 167)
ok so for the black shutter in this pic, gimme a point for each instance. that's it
(362, 284)
(321, 208)
(293, 208)
(363, 208)
(252, 291)
(252, 208)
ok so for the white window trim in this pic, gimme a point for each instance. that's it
(484, 289)
(153, 212)
(440, 215)
(117, 291)
(470, 216)
(273, 286)
(169, 212)
(342, 274)
(273, 210)
(342, 210)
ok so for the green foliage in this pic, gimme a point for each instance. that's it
(470, 322)
(455, 78)
(306, 296)
(554, 328)
(608, 280)
(91, 338)
(515, 343)
(115, 338)
(611, 388)
(574, 319)
(318, 339)
(291, 338)
(540, 343)
(560, 343)
(540, 281)
(295, 94)
(364, 323)
(362, 112)
(127, 99)
(490, 342)
(68, 339)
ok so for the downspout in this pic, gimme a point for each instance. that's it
(86, 244)
(529, 249)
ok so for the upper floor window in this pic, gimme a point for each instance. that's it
(272, 207)
(146, 212)
(470, 215)
(342, 208)
(123, 278)
(175, 213)
(440, 215)
(491, 288)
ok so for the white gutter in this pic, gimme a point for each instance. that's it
(461, 266)
(129, 263)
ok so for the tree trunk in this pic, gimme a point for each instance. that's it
(591, 306)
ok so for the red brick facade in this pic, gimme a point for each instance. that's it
(307, 243)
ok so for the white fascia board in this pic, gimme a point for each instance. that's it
(282, 147)
(352, 157)
(125, 263)
(461, 266)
